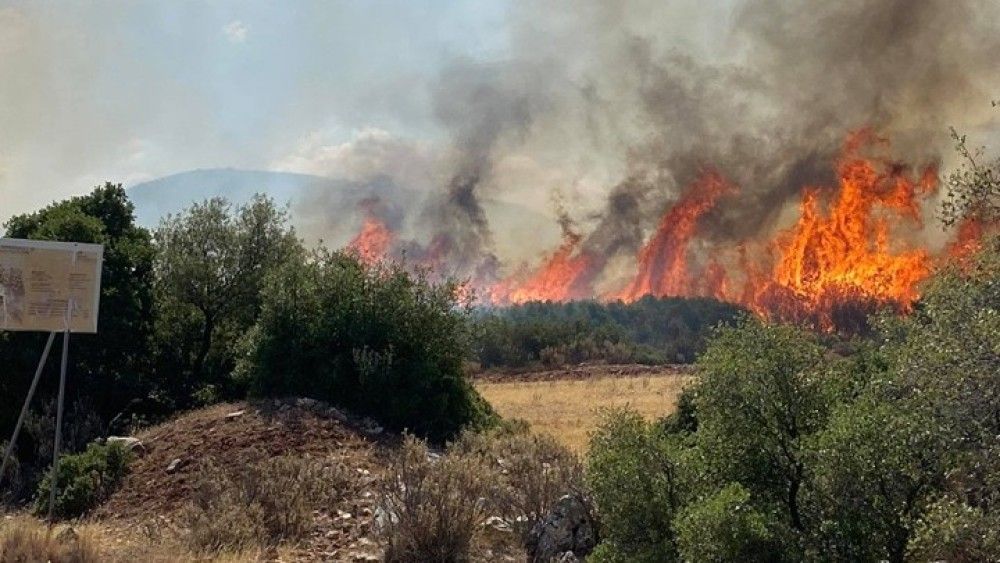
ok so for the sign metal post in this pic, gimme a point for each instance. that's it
(48, 287)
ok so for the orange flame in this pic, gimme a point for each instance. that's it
(968, 239)
(373, 241)
(663, 262)
(845, 254)
(562, 277)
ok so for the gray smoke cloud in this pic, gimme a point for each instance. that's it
(622, 105)
(770, 110)
(483, 107)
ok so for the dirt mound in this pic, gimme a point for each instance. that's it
(162, 478)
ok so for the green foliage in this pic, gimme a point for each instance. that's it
(379, 341)
(758, 398)
(649, 331)
(685, 415)
(726, 527)
(634, 474)
(871, 471)
(108, 371)
(85, 480)
(954, 531)
(790, 449)
(212, 264)
(973, 188)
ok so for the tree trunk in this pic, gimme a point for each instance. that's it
(204, 347)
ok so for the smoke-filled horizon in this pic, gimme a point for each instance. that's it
(598, 114)
(606, 105)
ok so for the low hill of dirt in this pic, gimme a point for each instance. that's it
(173, 455)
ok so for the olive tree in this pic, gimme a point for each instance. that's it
(213, 259)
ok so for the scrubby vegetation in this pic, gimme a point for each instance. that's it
(649, 331)
(795, 452)
(380, 341)
(435, 505)
(85, 480)
(262, 503)
(23, 540)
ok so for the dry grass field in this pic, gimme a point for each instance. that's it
(567, 408)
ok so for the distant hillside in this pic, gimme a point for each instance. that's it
(520, 232)
(171, 194)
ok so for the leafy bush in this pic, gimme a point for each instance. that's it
(379, 341)
(532, 473)
(869, 472)
(954, 531)
(85, 480)
(633, 471)
(725, 527)
(432, 507)
(261, 503)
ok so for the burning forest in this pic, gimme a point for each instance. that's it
(795, 172)
(853, 248)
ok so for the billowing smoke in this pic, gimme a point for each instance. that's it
(622, 105)
(802, 74)
(482, 107)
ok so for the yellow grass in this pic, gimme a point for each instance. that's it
(25, 539)
(567, 409)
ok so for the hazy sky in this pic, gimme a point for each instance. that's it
(127, 91)
(557, 96)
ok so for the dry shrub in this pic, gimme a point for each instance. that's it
(26, 540)
(431, 507)
(262, 503)
(11, 481)
(534, 472)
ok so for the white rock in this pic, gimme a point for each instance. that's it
(129, 443)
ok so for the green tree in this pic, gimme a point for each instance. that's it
(212, 264)
(380, 341)
(760, 396)
(954, 531)
(638, 482)
(108, 370)
(871, 472)
(725, 527)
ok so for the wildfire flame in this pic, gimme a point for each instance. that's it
(851, 250)
(562, 277)
(846, 253)
(373, 241)
(663, 262)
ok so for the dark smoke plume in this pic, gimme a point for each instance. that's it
(646, 95)
(772, 118)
